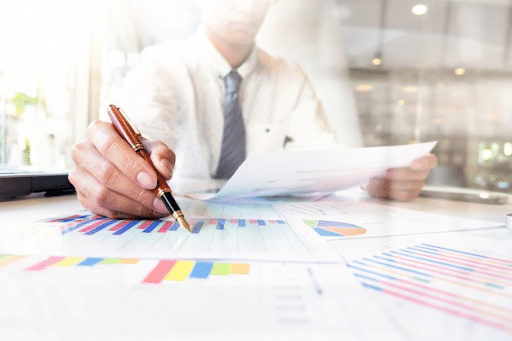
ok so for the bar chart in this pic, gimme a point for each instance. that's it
(188, 299)
(458, 285)
(210, 238)
(165, 270)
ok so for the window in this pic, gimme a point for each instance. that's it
(43, 80)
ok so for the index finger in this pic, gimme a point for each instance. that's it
(116, 150)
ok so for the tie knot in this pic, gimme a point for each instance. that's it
(232, 82)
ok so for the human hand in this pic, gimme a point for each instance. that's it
(403, 184)
(112, 180)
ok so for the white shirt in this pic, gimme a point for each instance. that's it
(175, 95)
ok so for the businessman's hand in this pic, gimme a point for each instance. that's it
(112, 180)
(403, 184)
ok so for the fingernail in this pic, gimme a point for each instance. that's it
(146, 180)
(159, 206)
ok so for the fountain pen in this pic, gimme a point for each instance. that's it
(125, 128)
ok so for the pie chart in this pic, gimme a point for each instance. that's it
(327, 228)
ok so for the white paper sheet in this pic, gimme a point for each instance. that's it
(131, 300)
(335, 218)
(219, 231)
(449, 286)
(296, 173)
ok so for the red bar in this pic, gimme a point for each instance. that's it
(65, 218)
(92, 226)
(213, 221)
(146, 224)
(233, 221)
(41, 266)
(253, 221)
(119, 225)
(159, 272)
(165, 227)
(473, 318)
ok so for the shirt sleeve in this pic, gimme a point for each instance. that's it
(148, 98)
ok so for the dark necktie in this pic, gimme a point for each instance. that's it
(233, 138)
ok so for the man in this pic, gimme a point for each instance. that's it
(214, 98)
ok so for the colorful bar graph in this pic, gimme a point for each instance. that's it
(169, 270)
(90, 225)
(183, 269)
(457, 282)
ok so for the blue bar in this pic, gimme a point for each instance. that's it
(457, 251)
(101, 227)
(152, 226)
(399, 268)
(174, 227)
(280, 221)
(386, 259)
(74, 227)
(261, 222)
(371, 286)
(126, 227)
(241, 222)
(434, 261)
(366, 277)
(371, 272)
(220, 224)
(197, 227)
(201, 270)
(90, 261)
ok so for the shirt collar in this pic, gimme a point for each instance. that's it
(219, 66)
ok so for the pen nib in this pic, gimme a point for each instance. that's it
(180, 218)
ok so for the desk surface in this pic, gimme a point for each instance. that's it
(35, 209)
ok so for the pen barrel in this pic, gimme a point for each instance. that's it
(124, 128)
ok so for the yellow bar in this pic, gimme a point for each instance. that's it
(129, 261)
(69, 261)
(240, 268)
(180, 271)
(7, 260)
